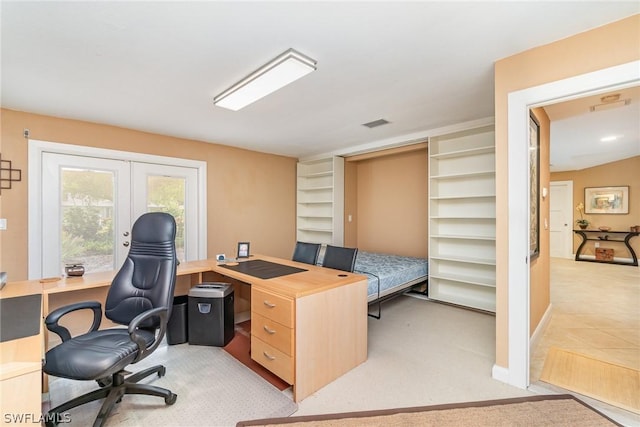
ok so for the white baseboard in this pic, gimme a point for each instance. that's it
(501, 374)
(542, 325)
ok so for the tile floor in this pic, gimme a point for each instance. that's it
(595, 311)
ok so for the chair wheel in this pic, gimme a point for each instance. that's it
(162, 371)
(171, 399)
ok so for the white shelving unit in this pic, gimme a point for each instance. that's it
(320, 201)
(462, 218)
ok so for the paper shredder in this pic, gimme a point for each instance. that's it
(211, 318)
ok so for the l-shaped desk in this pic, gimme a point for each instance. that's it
(308, 327)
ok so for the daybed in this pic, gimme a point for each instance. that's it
(388, 275)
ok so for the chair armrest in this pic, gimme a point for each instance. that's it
(52, 319)
(143, 350)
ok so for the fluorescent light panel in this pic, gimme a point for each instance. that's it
(285, 69)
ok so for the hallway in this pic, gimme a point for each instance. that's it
(594, 312)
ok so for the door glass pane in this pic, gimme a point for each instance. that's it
(167, 194)
(87, 232)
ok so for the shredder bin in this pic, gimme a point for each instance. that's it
(211, 318)
(177, 325)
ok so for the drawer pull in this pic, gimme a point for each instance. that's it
(268, 356)
(269, 331)
(268, 304)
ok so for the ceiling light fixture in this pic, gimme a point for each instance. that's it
(282, 70)
(609, 138)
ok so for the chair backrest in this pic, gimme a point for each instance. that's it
(340, 258)
(147, 278)
(306, 252)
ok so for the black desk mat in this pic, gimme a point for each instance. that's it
(20, 317)
(263, 269)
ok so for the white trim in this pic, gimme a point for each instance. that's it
(35, 150)
(499, 373)
(402, 140)
(519, 102)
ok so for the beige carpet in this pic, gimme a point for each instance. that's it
(213, 388)
(553, 410)
(607, 382)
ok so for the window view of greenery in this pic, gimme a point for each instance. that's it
(87, 232)
(166, 194)
(87, 219)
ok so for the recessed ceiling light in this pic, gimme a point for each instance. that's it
(277, 73)
(609, 138)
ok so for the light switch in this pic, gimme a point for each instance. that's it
(3, 223)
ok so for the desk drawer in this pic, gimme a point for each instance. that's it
(272, 306)
(272, 359)
(272, 333)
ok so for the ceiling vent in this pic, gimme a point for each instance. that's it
(376, 123)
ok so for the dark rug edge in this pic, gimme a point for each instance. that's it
(392, 411)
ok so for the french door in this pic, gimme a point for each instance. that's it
(88, 205)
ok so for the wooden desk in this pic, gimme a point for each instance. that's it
(309, 328)
(327, 315)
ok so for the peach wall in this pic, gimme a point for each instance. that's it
(613, 44)
(391, 204)
(246, 190)
(622, 172)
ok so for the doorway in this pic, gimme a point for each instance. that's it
(86, 200)
(519, 103)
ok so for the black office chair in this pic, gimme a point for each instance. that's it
(306, 252)
(340, 258)
(140, 296)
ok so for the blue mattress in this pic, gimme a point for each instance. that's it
(395, 272)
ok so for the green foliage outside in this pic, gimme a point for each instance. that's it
(87, 214)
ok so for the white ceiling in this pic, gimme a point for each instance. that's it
(156, 66)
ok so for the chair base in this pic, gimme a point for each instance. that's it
(113, 393)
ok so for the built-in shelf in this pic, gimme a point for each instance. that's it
(462, 198)
(320, 201)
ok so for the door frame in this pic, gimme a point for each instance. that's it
(37, 147)
(568, 204)
(517, 258)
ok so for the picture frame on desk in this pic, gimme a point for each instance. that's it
(606, 200)
(243, 249)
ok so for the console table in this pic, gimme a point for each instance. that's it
(607, 236)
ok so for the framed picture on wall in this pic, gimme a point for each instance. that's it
(606, 200)
(534, 187)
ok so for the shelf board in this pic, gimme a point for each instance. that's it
(467, 152)
(315, 230)
(317, 202)
(464, 175)
(456, 197)
(329, 187)
(479, 304)
(316, 174)
(490, 283)
(469, 260)
(464, 217)
(467, 237)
